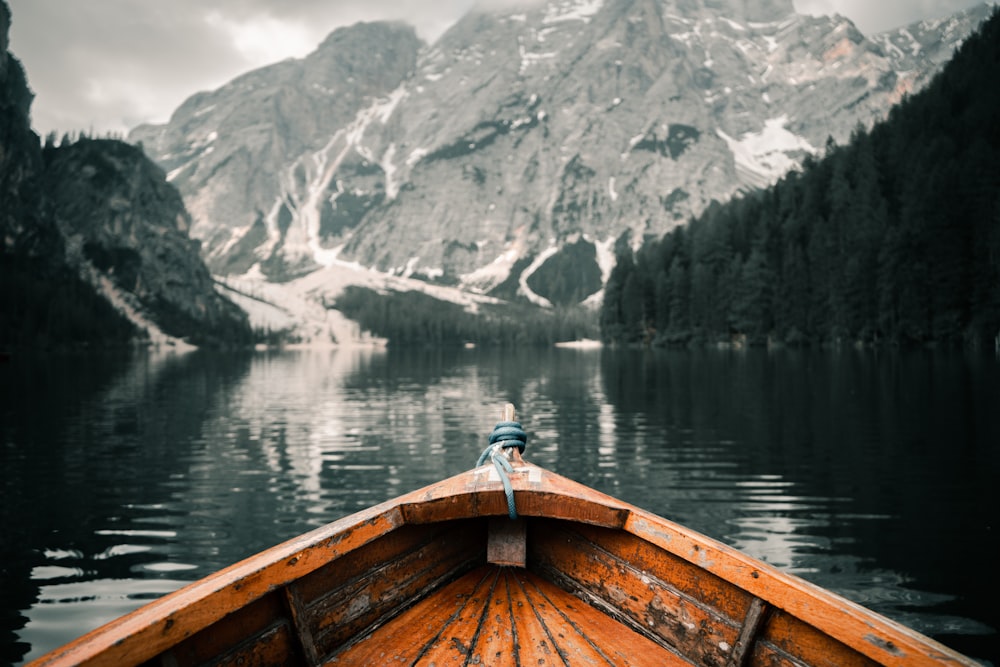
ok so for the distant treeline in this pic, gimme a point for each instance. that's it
(892, 238)
(70, 138)
(414, 318)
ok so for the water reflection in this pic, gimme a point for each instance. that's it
(127, 476)
(865, 473)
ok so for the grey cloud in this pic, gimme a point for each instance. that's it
(110, 64)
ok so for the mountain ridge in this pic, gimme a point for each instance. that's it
(531, 138)
(520, 133)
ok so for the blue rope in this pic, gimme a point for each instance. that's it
(510, 434)
(505, 435)
(504, 468)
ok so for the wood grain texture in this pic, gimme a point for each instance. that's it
(505, 616)
(409, 578)
(506, 543)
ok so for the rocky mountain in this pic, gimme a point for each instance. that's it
(42, 301)
(245, 155)
(509, 157)
(127, 231)
(95, 247)
(24, 229)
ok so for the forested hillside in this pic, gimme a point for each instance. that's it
(43, 302)
(894, 237)
(94, 243)
(413, 318)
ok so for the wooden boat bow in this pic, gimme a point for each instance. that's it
(442, 575)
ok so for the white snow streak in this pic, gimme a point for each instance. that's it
(571, 10)
(522, 284)
(914, 44)
(764, 154)
(605, 260)
(416, 156)
(301, 307)
(302, 238)
(487, 277)
(391, 186)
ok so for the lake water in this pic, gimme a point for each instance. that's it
(874, 474)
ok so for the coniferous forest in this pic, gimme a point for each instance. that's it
(413, 318)
(892, 238)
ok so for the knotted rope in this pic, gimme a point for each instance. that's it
(505, 435)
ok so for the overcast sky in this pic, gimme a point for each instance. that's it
(109, 65)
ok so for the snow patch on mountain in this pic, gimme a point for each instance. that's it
(764, 157)
(522, 284)
(487, 277)
(606, 261)
(571, 10)
(304, 201)
(391, 184)
(323, 170)
(294, 309)
(529, 59)
(605, 257)
(200, 146)
(303, 308)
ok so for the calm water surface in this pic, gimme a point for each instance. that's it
(122, 477)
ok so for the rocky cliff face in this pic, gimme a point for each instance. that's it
(526, 140)
(24, 229)
(94, 245)
(246, 154)
(127, 229)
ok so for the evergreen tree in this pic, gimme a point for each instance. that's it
(895, 236)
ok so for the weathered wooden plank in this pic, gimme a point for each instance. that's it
(786, 638)
(408, 637)
(880, 639)
(495, 642)
(453, 646)
(300, 621)
(368, 557)
(585, 635)
(274, 647)
(506, 543)
(571, 644)
(538, 492)
(652, 604)
(380, 593)
(743, 648)
(696, 582)
(534, 644)
(244, 625)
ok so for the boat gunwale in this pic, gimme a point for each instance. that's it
(159, 625)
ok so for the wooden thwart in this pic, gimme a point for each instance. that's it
(740, 657)
(506, 542)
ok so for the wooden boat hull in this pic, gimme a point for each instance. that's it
(442, 576)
